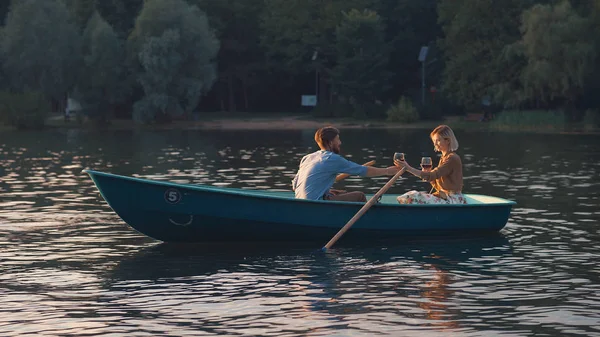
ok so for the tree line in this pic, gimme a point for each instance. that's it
(156, 60)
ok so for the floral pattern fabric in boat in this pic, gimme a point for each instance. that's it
(416, 197)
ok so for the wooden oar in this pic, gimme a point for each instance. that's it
(343, 176)
(364, 209)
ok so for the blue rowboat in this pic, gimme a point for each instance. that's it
(172, 212)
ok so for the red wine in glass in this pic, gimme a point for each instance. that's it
(399, 156)
(426, 163)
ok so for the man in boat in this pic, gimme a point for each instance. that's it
(319, 169)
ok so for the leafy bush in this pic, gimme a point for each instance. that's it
(404, 111)
(591, 117)
(26, 110)
(530, 120)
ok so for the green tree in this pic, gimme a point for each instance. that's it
(4, 7)
(81, 11)
(475, 35)
(3, 78)
(361, 73)
(160, 62)
(240, 57)
(24, 110)
(120, 14)
(41, 48)
(409, 26)
(176, 50)
(560, 53)
(591, 99)
(100, 87)
(296, 31)
(289, 34)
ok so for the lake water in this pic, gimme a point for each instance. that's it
(70, 267)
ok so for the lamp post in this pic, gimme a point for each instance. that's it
(422, 58)
(314, 58)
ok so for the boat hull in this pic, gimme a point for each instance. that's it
(187, 213)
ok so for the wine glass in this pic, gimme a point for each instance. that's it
(426, 164)
(399, 156)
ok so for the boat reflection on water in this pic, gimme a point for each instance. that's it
(416, 280)
(178, 260)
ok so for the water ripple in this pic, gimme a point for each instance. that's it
(71, 267)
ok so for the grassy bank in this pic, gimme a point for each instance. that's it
(537, 121)
(543, 121)
(240, 121)
(532, 121)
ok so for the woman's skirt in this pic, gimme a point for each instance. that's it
(415, 197)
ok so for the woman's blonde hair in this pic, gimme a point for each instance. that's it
(445, 132)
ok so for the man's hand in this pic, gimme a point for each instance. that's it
(382, 171)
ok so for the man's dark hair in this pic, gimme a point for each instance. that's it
(326, 135)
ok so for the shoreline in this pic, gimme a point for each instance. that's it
(298, 122)
(303, 122)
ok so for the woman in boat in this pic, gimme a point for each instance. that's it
(446, 178)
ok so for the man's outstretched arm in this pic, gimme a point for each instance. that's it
(380, 171)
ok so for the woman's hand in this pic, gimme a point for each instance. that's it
(410, 169)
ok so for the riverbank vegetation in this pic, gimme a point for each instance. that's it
(522, 64)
